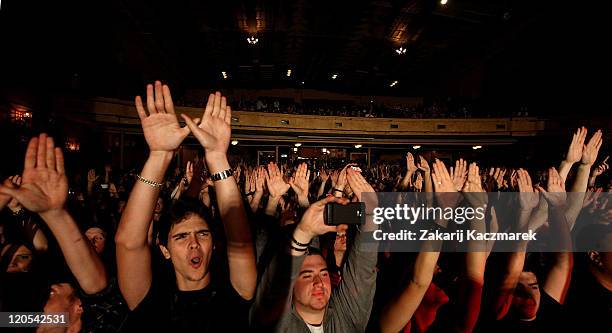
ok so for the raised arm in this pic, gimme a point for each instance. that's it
(558, 276)
(574, 152)
(472, 279)
(214, 133)
(276, 186)
(503, 295)
(400, 310)
(163, 135)
(44, 190)
(579, 188)
(299, 183)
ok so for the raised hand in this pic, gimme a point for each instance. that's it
(423, 165)
(360, 185)
(161, 128)
(213, 131)
(591, 196)
(574, 151)
(499, 177)
(412, 168)
(15, 182)
(555, 193)
(441, 178)
(418, 183)
(324, 175)
(274, 179)
(446, 192)
(591, 149)
(334, 177)
(189, 172)
(459, 174)
(601, 168)
(312, 223)
(528, 199)
(44, 186)
(260, 179)
(473, 183)
(341, 182)
(91, 176)
(299, 183)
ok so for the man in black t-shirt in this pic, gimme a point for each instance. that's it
(196, 300)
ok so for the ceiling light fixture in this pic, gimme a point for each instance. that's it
(252, 40)
(400, 50)
(416, 147)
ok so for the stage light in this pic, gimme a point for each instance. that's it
(476, 147)
(283, 155)
(416, 147)
(401, 50)
(357, 146)
(288, 72)
(234, 142)
(298, 144)
(393, 84)
(324, 150)
(334, 76)
(295, 149)
(443, 2)
(224, 74)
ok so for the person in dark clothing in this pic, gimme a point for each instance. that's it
(198, 299)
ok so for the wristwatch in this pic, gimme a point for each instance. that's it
(222, 175)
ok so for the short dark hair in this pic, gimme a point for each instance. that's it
(315, 251)
(177, 212)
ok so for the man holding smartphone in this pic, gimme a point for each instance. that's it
(309, 304)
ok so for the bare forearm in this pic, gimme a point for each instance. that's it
(240, 253)
(254, 203)
(321, 189)
(399, 312)
(428, 182)
(81, 258)
(132, 231)
(271, 205)
(564, 169)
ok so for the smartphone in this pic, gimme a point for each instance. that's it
(104, 186)
(352, 213)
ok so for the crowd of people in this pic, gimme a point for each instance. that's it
(444, 108)
(219, 247)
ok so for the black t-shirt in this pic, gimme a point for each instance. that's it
(548, 319)
(216, 308)
(587, 302)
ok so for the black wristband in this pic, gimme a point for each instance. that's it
(300, 244)
(337, 190)
(305, 249)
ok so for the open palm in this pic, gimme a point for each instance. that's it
(214, 130)
(161, 127)
(44, 185)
